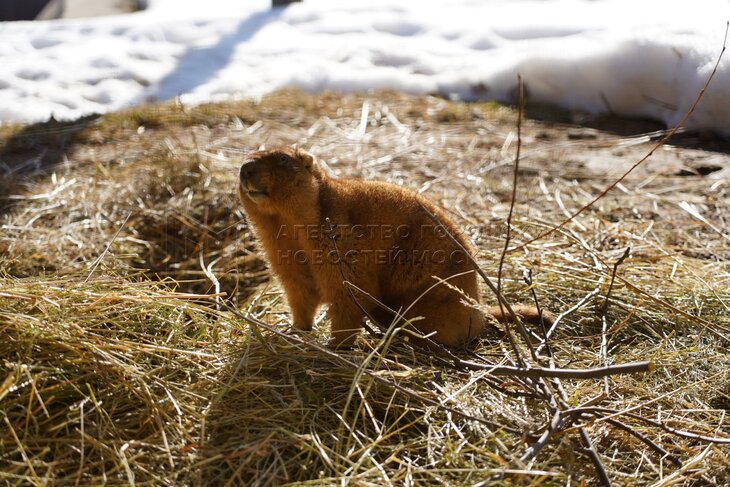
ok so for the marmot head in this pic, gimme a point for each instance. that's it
(280, 180)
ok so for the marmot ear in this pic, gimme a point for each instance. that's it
(306, 157)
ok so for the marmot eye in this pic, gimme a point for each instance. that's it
(284, 159)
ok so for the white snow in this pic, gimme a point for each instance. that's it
(647, 58)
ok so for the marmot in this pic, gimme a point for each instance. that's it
(385, 244)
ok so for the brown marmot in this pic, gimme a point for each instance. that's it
(386, 246)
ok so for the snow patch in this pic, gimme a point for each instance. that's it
(645, 59)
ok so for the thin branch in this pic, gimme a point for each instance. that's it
(508, 236)
(645, 440)
(345, 280)
(713, 328)
(515, 174)
(620, 261)
(556, 424)
(604, 320)
(684, 434)
(595, 458)
(543, 330)
(568, 312)
(539, 372)
(563, 402)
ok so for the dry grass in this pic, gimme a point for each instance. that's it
(115, 375)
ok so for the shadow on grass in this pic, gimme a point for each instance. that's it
(182, 245)
(191, 232)
(627, 127)
(286, 415)
(33, 152)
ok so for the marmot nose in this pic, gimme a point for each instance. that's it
(246, 171)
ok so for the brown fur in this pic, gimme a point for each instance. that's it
(381, 230)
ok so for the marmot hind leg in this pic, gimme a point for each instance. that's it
(346, 319)
(447, 319)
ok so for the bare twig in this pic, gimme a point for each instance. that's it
(646, 440)
(604, 320)
(595, 458)
(563, 400)
(620, 261)
(539, 372)
(507, 237)
(554, 426)
(568, 312)
(543, 330)
(684, 434)
(349, 289)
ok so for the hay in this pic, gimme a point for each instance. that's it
(111, 374)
